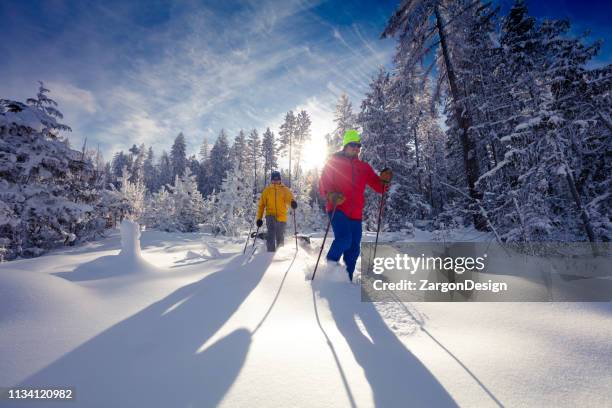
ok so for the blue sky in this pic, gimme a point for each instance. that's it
(141, 71)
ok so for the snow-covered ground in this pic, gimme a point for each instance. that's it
(193, 322)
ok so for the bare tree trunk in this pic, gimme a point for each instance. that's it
(416, 151)
(462, 117)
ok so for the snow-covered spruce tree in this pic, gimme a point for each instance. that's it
(254, 161)
(193, 165)
(379, 138)
(377, 120)
(417, 126)
(573, 125)
(219, 163)
(286, 140)
(133, 192)
(160, 211)
(179, 207)
(137, 158)
(593, 180)
(203, 176)
(269, 153)
(302, 136)
(345, 119)
(536, 192)
(233, 206)
(164, 170)
(473, 47)
(150, 172)
(238, 151)
(46, 189)
(112, 207)
(421, 25)
(119, 161)
(204, 151)
(434, 162)
(188, 202)
(204, 155)
(178, 156)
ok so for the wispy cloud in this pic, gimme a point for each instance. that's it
(73, 96)
(198, 69)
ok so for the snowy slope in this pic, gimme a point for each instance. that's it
(196, 323)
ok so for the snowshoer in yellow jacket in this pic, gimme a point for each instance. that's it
(274, 199)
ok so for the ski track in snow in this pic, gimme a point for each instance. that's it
(196, 323)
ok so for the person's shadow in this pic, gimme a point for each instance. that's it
(152, 358)
(396, 376)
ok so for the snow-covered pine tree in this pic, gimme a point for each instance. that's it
(422, 25)
(286, 140)
(202, 175)
(188, 202)
(119, 161)
(379, 137)
(179, 207)
(133, 192)
(593, 179)
(150, 171)
(204, 150)
(345, 119)
(48, 107)
(47, 197)
(254, 160)
(161, 210)
(220, 163)
(164, 170)
(137, 157)
(178, 156)
(234, 208)
(269, 150)
(536, 191)
(193, 165)
(238, 151)
(302, 136)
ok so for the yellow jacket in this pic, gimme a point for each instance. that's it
(275, 198)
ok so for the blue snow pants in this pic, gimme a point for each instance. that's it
(347, 238)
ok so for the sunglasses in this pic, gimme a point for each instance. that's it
(354, 144)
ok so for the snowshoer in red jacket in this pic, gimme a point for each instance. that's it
(343, 182)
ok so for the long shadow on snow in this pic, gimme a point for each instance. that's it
(151, 359)
(396, 376)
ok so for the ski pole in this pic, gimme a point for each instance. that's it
(380, 211)
(247, 240)
(254, 240)
(295, 231)
(324, 238)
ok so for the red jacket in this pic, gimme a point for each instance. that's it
(348, 176)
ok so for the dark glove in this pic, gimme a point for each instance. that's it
(293, 204)
(335, 198)
(386, 175)
(259, 223)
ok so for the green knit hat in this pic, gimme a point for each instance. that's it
(350, 136)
